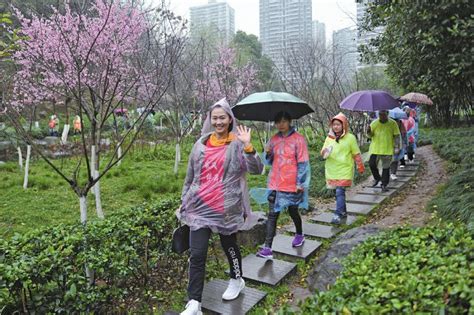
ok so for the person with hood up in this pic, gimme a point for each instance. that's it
(385, 136)
(341, 152)
(215, 198)
(288, 180)
(410, 126)
(400, 157)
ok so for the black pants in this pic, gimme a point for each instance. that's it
(410, 151)
(273, 218)
(199, 243)
(375, 170)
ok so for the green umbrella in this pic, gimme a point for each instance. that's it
(264, 106)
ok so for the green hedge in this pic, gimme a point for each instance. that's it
(44, 271)
(404, 271)
(455, 201)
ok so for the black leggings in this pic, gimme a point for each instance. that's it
(273, 218)
(199, 243)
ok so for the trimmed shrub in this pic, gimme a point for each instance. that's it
(129, 253)
(404, 271)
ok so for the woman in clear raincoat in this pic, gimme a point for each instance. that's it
(288, 180)
(215, 197)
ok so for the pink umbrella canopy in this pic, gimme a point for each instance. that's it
(418, 98)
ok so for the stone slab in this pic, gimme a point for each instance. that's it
(317, 230)
(326, 217)
(405, 173)
(213, 303)
(357, 208)
(366, 199)
(401, 179)
(266, 271)
(376, 191)
(394, 184)
(282, 246)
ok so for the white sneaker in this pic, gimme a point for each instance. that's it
(402, 166)
(192, 308)
(393, 177)
(233, 289)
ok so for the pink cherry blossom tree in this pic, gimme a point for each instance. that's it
(222, 77)
(102, 58)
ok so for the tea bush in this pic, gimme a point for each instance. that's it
(404, 271)
(43, 271)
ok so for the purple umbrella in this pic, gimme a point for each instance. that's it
(369, 101)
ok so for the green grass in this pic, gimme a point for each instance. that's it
(49, 200)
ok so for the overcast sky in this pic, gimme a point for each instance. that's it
(336, 14)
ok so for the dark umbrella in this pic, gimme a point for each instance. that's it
(369, 101)
(264, 106)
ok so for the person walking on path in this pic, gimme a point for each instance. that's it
(384, 133)
(215, 198)
(410, 126)
(400, 157)
(288, 180)
(340, 150)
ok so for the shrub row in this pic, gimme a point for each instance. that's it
(404, 271)
(456, 199)
(44, 271)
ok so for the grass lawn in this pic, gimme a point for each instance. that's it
(49, 200)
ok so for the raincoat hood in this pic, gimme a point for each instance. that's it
(207, 126)
(345, 126)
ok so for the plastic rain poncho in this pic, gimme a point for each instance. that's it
(215, 193)
(339, 167)
(290, 169)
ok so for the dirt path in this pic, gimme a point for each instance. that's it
(408, 207)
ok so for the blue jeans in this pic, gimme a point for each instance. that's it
(341, 201)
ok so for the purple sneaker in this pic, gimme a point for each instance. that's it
(265, 252)
(298, 240)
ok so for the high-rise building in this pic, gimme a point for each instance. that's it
(215, 19)
(319, 33)
(285, 27)
(364, 37)
(345, 52)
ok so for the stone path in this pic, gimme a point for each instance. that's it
(272, 272)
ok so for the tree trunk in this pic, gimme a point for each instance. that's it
(20, 158)
(93, 164)
(119, 155)
(83, 207)
(27, 165)
(65, 133)
(177, 158)
(98, 202)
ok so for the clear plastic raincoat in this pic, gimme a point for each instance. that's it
(215, 193)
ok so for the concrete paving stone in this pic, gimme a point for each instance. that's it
(282, 245)
(357, 208)
(366, 199)
(213, 303)
(326, 217)
(376, 191)
(317, 230)
(266, 271)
